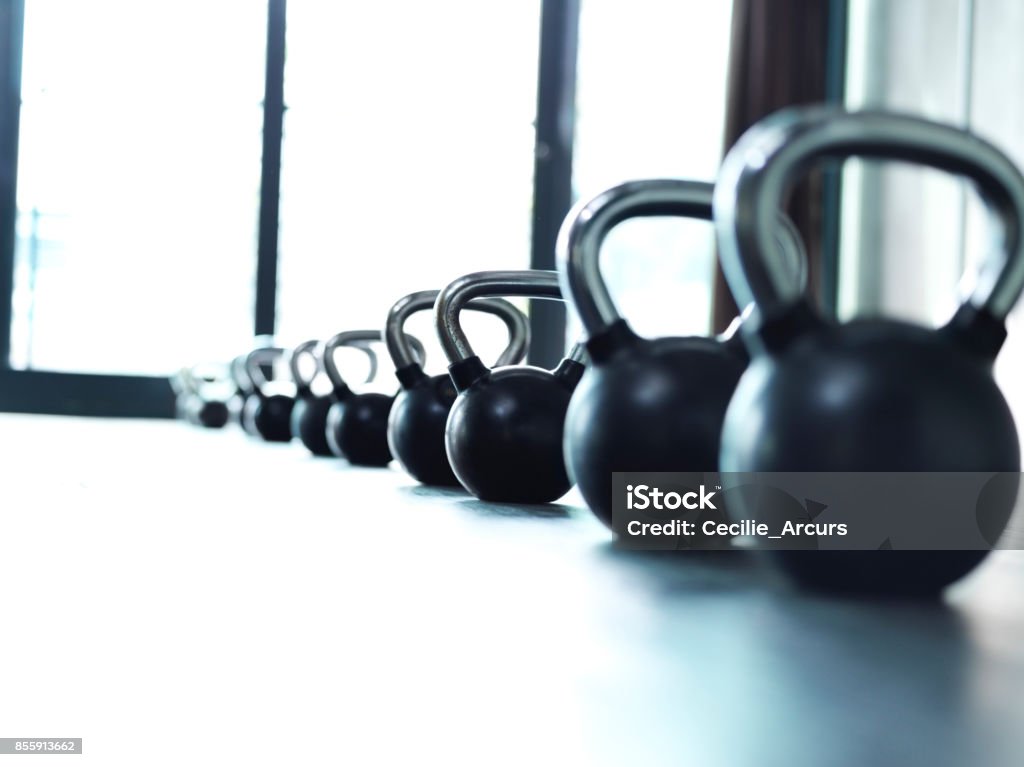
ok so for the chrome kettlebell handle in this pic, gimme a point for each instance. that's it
(590, 221)
(361, 339)
(238, 369)
(530, 283)
(402, 353)
(252, 365)
(760, 170)
(306, 347)
(238, 374)
(310, 347)
(183, 381)
(193, 381)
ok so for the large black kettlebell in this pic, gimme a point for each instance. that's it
(357, 423)
(504, 432)
(420, 411)
(267, 413)
(871, 395)
(309, 416)
(643, 404)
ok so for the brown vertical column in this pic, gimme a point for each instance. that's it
(777, 58)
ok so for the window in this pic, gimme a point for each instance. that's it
(138, 183)
(650, 102)
(908, 234)
(407, 158)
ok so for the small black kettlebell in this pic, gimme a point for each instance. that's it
(203, 407)
(309, 416)
(357, 423)
(267, 413)
(504, 432)
(420, 411)
(871, 395)
(644, 404)
(244, 388)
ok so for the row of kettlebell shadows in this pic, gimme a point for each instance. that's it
(785, 389)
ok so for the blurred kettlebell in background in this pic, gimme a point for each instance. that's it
(420, 411)
(504, 431)
(357, 423)
(870, 395)
(204, 405)
(244, 388)
(309, 416)
(644, 404)
(267, 413)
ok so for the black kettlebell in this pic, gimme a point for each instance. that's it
(201, 406)
(267, 414)
(244, 388)
(644, 404)
(504, 432)
(420, 411)
(357, 423)
(871, 395)
(309, 416)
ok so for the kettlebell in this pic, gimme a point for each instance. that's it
(420, 411)
(309, 416)
(201, 406)
(504, 432)
(644, 404)
(870, 395)
(357, 423)
(244, 388)
(267, 414)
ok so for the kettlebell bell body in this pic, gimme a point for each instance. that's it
(419, 413)
(643, 404)
(209, 413)
(309, 422)
(269, 416)
(357, 423)
(416, 427)
(504, 432)
(357, 428)
(650, 405)
(870, 395)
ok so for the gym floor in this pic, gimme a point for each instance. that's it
(168, 592)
